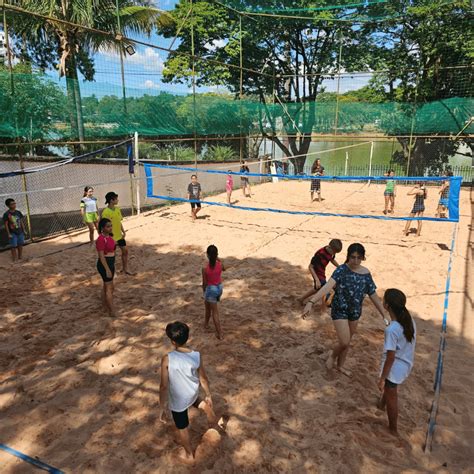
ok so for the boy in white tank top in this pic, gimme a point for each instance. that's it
(182, 373)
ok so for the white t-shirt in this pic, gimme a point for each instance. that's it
(183, 379)
(90, 204)
(404, 352)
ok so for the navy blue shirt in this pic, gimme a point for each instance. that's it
(351, 288)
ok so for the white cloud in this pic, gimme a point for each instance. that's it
(216, 44)
(149, 84)
(149, 59)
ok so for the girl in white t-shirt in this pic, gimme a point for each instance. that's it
(398, 353)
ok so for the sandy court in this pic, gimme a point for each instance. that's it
(80, 391)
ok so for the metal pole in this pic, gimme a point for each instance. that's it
(347, 160)
(194, 85)
(137, 171)
(370, 159)
(241, 90)
(336, 118)
(413, 120)
(122, 69)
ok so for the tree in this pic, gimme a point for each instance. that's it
(49, 43)
(278, 49)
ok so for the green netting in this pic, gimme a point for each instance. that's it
(40, 109)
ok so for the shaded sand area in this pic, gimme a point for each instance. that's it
(80, 390)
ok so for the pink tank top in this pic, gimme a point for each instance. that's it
(213, 275)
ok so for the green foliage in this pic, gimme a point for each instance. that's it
(220, 153)
(170, 152)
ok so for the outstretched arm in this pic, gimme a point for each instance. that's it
(163, 388)
(314, 299)
(378, 304)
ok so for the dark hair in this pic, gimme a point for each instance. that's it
(109, 196)
(102, 223)
(396, 301)
(390, 171)
(86, 189)
(178, 332)
(9, 201)
(449, 173)
(336, 245)
(355, 248)
(212, 255)
(194, 176)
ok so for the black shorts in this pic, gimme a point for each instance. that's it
(196, 204)
(315, 185)
(121, 243)
(181, 419)
(389, 384)
(102, 271)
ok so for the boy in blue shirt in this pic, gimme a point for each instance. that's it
(13, 221)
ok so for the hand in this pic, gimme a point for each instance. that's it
(124, 233)
(208, 400)
(307, 310)
(386, 321)
(108, 273)
(317, 284)
(381, 384)
(162, 415)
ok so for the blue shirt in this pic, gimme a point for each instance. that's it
(351, 288)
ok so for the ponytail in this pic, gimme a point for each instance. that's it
(212, 255)
(396, 301)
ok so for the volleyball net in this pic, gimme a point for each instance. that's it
(344, 194)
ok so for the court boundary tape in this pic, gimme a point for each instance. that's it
(442, 347)
(35, 462)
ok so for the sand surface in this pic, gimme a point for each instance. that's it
(80, 391)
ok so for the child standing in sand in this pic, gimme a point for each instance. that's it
(13, 220)
(182, 373)
(114, 214)
(229, 186)
(420, 193)
(194, 194)
(398, 353)
(389, 193)
(212, 287)
(105, 246)
(352, 282)
(244, 180)
(318, 265)
(89, 211)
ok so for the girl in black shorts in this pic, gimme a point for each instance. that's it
(105, 245)
(420, 193)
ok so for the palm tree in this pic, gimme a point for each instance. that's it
(70, 48)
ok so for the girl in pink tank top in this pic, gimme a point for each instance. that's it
(212, 287)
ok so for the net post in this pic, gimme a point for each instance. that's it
(137, 171)
(346, 163)
(371, 155)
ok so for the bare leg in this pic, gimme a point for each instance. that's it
(124, 251)
(392, 203)
(319, 196)
(185, 441)
(243, 190)
(250, 191)
(407, 227)
(109, 297)
(91, 232)
(312, 196)
(418, 231)
(307, 295)
(387, 198)
(342, 356)
(207, 409)
(208, 314)
(344, 338)
(228, 197)
(391, 398)
(196, 212)
(20, 252)
(215, 318)
(14, 253)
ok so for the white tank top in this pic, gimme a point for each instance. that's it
(183, 379)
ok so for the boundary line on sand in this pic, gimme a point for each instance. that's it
(35, 462)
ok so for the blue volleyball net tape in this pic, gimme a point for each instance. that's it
(453, 200)
(33, 461)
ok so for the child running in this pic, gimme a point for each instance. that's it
(194, 194)
(318, 265)
(229, 186)
(182, 373)
(398, 353)
(105, 246)
(420, 193)
(316, 170)
(89, 211)
(13, 221)
(113, 213)
(352, 282)
(212, 287)
(389, 193)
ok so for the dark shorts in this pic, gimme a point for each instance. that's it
(389, 193)
(323, 282)
(196, 204)
(181, 418)
(121, 243)
(244, 181)
(102, 271)
(416, 209)
(389, 384)
(315, 185)
(342, 316)
(17, 240)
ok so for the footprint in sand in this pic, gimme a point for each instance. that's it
(208, 445)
